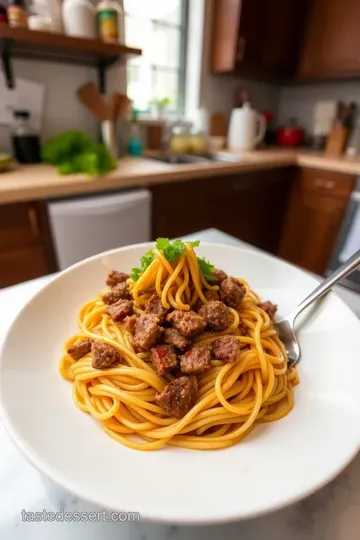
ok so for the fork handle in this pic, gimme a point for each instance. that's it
(345, 269)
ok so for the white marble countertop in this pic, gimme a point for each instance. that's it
(330, 514)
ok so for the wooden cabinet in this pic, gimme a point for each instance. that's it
(250, 206)
(317, 206)
(257, 37)
(331, 46)
(25, 243)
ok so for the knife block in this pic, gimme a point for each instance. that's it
(337, 141)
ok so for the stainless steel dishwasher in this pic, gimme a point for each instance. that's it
(84, 226)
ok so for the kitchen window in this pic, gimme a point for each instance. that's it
(158, 27)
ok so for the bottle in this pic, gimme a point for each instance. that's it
(3, 14)
(16, 12)
(135, 144)
(79, 18)
(109, 21)
(25, 140)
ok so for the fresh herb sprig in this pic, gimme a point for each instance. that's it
(172, 251)
(206, 268)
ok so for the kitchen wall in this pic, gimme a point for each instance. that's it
(61, 109)
(299, 101)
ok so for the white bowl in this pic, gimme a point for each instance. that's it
(277, 464)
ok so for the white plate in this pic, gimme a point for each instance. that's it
(277, 464)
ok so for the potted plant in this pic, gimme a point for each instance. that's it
(159, 106)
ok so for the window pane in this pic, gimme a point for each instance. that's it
(140, 86)
(154, 75)
(138, 33)
(166, 85)
(165, 46)
(165, 10)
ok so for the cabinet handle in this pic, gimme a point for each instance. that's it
(240, 49)
(34, 225)
(327, 184)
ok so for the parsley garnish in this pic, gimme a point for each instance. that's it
(145, 261)
(172, 251)
(206, 268)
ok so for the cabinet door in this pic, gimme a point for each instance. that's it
(310, 230)
(249, 206)
(21, 265)
(332, 42)
(257, 37)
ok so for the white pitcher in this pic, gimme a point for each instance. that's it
(246, 129)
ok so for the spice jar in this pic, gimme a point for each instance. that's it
(109, 21)
(17, 14)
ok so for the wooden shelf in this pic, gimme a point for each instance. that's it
(53, 47)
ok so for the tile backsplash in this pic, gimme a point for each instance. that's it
(298, 101)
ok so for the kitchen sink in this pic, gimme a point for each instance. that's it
(178, 159)
(184, 159)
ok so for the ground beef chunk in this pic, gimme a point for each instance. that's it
(218, 276)
(155, 306)
(269, 308)
(188, 323)
(118, 311)
(178, 397)
(226, 348)
(115, 277)
(146, 331)
(171, 336)
(78, 350)
(119, 292)
(196, 360)
(163, 359)
(232, 292)
(104, 355)
(129, 323)
(216, 315)
(211, 296)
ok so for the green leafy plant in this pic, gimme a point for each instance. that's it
(74, 152)
(172, 251)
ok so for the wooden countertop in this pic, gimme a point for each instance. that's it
(42, 181)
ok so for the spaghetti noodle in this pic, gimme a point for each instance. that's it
(231, 397)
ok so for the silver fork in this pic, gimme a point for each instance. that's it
(285, 328)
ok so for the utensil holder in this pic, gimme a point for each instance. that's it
(108, 136)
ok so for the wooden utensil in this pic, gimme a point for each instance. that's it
(90, 96)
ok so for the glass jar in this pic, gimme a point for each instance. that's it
(179, 140)
(25, 140)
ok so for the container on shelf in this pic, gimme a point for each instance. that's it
(3, 15)
(79, 18)
(109, 21)
(25, 140)
(17, 14)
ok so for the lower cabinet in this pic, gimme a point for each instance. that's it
(316, 209)
(26, 250)
(249, 206)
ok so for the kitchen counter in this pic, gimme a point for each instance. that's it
(330, 514)
(34, 182)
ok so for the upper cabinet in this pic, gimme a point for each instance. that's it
(257, 38)
(331, 46)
